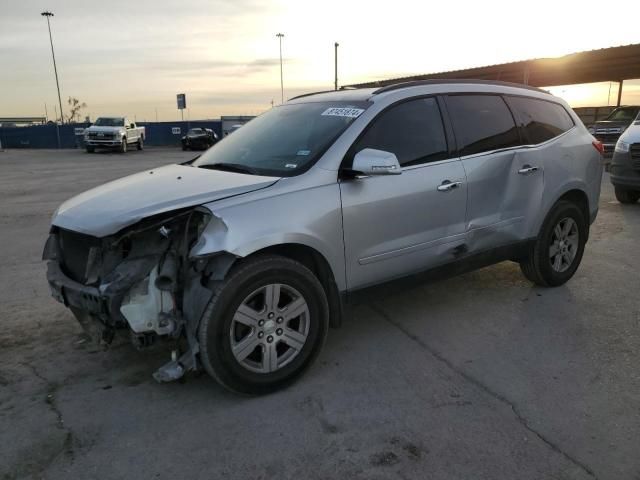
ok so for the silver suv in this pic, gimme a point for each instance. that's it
(242, 258)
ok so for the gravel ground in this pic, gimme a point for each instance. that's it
(481, 376)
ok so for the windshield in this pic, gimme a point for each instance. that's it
(110, 122)
(286, 140)
(623, 114)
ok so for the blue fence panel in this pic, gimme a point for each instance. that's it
(38, 136)
(45, 136)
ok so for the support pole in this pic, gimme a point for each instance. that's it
(336, 45)
(620, 82)
(280, 37)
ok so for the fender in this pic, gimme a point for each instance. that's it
(552, 197)
(310, 220)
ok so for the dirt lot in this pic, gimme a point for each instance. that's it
(480, 376)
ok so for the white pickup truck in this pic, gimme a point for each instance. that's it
(113, 132)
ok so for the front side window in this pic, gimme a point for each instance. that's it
(411, 130)
(482, 123)
(285, 141)
(540, 120)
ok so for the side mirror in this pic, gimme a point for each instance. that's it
(376, 162)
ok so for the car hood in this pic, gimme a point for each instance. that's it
(110, 207)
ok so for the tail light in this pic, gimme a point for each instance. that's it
(597, 144)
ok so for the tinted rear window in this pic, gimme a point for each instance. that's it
(482, 123)
(540, 120)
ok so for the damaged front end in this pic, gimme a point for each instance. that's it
(141, 280)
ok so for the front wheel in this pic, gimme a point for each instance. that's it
(557, 252)
(265, 325)
(123, 146)
(624, 195)
(90, 149)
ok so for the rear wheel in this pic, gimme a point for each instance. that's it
(123, 145)
(557, 252)
(264, 326)
(91, 149)
(627, 196)
(140, 144)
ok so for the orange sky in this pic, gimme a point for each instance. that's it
(132, 57)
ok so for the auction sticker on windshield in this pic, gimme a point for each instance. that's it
(343, 112)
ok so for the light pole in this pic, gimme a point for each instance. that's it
(53, 55)
(336, 45)
(55, 70)
(280, 36)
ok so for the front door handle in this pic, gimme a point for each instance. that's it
(447, 186)
(527, 169)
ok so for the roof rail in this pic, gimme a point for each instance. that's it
(417, 83)
(309, 94)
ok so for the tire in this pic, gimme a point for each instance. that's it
(541, 266)
(140, 143)
(627, 196)
(184, 148)
(123, 145)
(91, 149)
(248, 370)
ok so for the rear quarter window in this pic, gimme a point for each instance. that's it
(540, 120)
(481, 123)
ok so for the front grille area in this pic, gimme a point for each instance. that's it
(74, 251)
(634, 151)
(608, 138)
(104, 136)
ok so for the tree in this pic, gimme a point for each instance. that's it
(75, 107)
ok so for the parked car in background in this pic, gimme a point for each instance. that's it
(115, 133)
(608, 131)
(247, 253)
(199, 139)
(625, 165)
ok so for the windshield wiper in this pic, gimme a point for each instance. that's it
(229, 167)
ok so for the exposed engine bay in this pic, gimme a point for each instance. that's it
(140, 279)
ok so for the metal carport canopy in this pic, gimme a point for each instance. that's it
(605, 65)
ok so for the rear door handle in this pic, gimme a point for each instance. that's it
(447, 186)
(527, 169)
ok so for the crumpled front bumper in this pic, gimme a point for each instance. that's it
(74, 294)
(101, 301)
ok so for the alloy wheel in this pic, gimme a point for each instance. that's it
(269, 328)
(564, 244)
